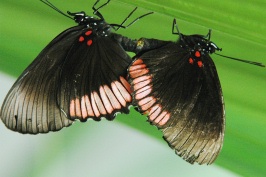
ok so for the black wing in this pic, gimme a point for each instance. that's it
(31, 104)
(93, 79)
(63, 80)
(183, 100)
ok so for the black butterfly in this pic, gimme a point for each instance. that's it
(176, 85)
(80, 74)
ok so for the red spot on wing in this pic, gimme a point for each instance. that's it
(200, 64)
(89, 42)
(88, 33)
(190, 60)
(197, 54)
(81, 39)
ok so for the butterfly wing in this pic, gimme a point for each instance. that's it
(94, 79)
(31, 104)
(184, 101)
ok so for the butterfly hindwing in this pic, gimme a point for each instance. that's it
(182, 99)
(94, 79)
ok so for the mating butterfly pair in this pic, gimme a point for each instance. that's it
(85, 72)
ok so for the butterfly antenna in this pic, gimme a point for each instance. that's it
(96, 10)
(177, 29)
(129, 15)
(55, 8)
(138, 18)
(241, 60)
(121, 25)
(209, 35)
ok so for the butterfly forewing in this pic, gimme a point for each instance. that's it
(183, 100)
(31, 105)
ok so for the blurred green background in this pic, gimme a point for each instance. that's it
(237, 26)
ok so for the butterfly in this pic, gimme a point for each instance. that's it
(80, 74)
(177, 86)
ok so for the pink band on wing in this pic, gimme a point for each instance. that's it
(137, 73)
(94, 106)
(148, 105)
(137, 67)
(165, 119)
(112, 98)
(138, 61)
(83, 108)
(72, 110)
(118, 94)
(143, 89)
(106, 101)
(141, 84)
(88, 106)
(141, 79)
(160, 117)
(155, 111)
(145, 100)
(126, 84)
(75, 108)
(123, 91)
(99, 103)
(154, 108)
(142, 94)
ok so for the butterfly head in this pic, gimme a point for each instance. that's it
(82, 19)
(198, 43)
(195, 43)
(197, 46)
(99, 26)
